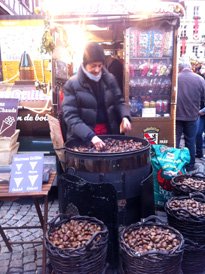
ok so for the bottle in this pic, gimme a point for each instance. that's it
(139, 106)
(26, 70)
(159, 107)
(133, 106)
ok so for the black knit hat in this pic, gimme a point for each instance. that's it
(93, 53)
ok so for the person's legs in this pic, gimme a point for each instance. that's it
(190, 130)
(203, 137)
(199, 137)
(179, 131)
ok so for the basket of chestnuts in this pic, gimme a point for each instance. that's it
(77, 244)
(187, 183)
(151, 246)
(193, 258)
(187, 215)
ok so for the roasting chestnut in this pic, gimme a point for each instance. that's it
(111, 146)
(74, 234)
(191, 182)
(151, 238)
(194, 207)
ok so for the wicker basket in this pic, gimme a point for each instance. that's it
(91, 258)
(8, 142)
(6, 155)
(182, 189)
(193, 259)
(191, 226)
(160, 262)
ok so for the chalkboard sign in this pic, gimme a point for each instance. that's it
(8, 116)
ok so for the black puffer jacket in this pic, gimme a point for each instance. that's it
(80, 105)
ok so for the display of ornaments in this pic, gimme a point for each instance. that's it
(150, 72)
(150, 43)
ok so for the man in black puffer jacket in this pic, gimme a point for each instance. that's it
(93, 103)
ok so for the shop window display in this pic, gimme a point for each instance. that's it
(150, 71)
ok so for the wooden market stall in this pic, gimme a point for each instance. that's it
(146, 45)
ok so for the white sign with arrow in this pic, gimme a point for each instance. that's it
(26, 172)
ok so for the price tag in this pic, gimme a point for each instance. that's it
(149, 112)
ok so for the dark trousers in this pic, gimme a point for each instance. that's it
(189, 129)
(199, 136)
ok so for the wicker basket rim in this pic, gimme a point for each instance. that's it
(175, 182)
(173, 211)
(152, 252)
(103, 232)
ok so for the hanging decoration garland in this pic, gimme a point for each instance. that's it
(48, 44)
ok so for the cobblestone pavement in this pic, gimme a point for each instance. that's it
(25, 258)
(200, 166)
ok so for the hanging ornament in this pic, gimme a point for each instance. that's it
(47, 41)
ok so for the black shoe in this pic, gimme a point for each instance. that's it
(199, 156)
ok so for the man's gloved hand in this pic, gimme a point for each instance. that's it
(98, 143)
(125, 125)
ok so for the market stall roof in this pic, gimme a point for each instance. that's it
(112, 7)
(103, 12)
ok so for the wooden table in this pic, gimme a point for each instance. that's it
(5, 195)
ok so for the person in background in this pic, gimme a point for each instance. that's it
(93, 103)
(191, 92)
(202, 71)
(201, 123)
(115, 66)
(199, 136)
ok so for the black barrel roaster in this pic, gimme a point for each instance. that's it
(123, 179)
(129, 172)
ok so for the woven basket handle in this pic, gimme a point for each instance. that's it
(179, 185)
(152, 218)
(89, 244)
(71, 170)
(52, 223)
(189, 242)
(197, 194)
(199, 173)
(186, 188)
(173, 179)
(121, 228)
(183, 213)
